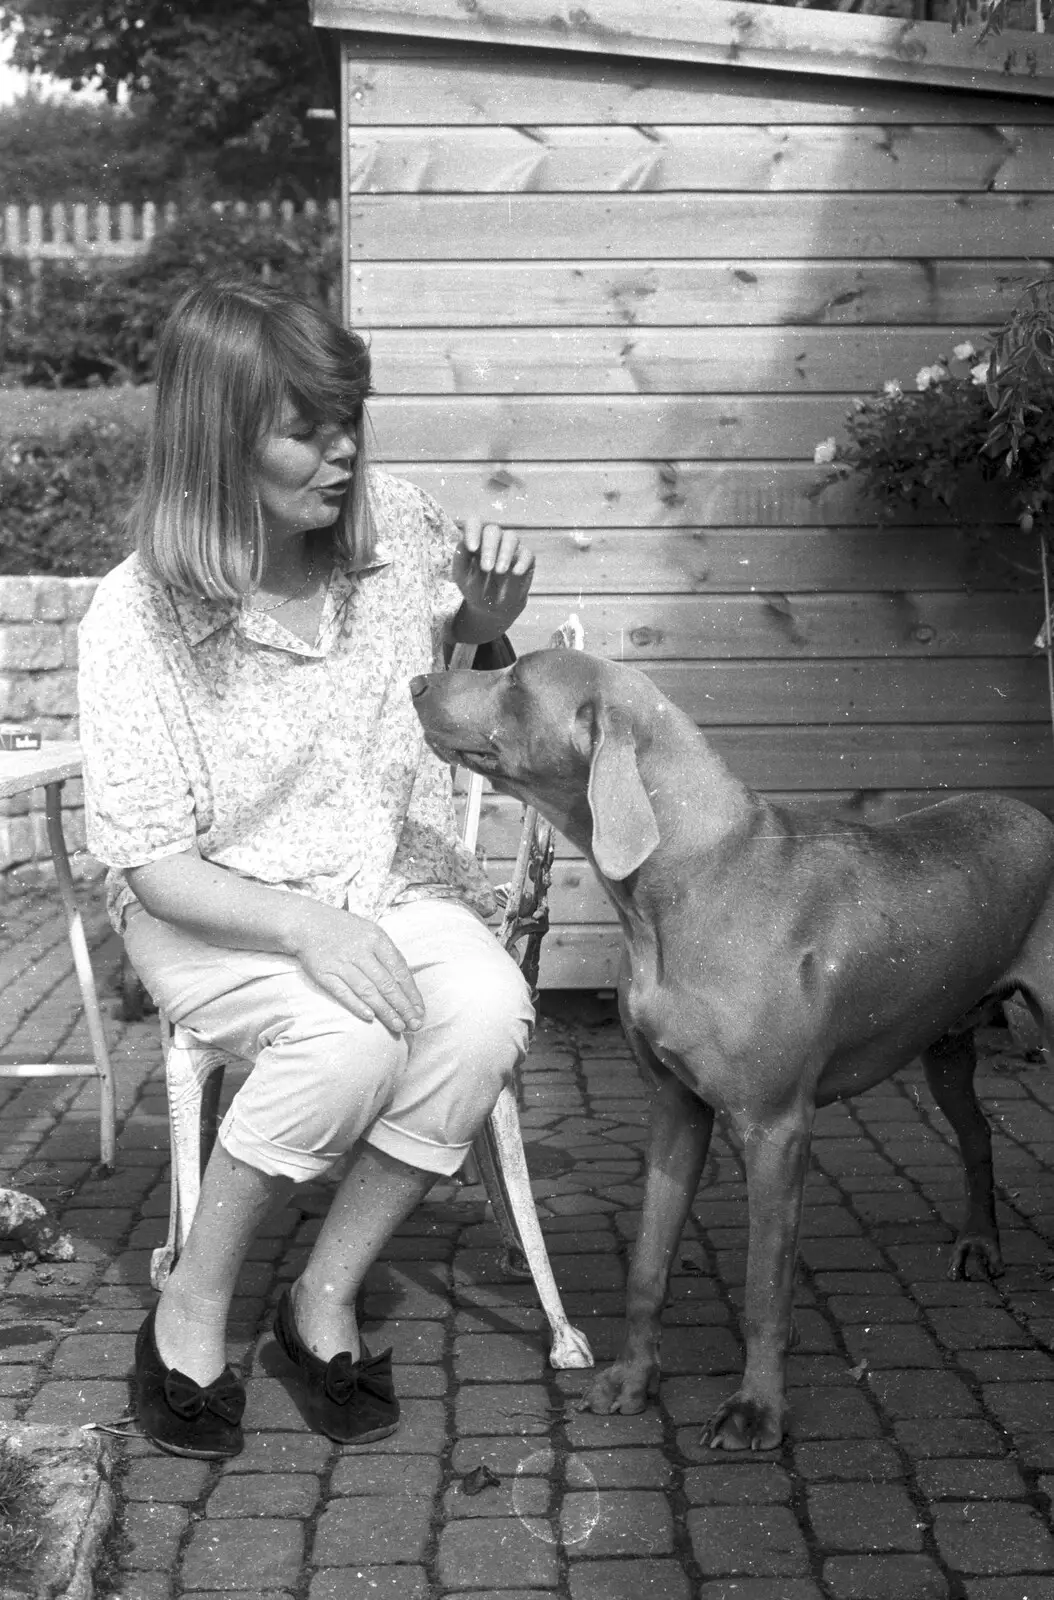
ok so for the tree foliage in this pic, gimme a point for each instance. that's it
(69, 150)
(234, 81)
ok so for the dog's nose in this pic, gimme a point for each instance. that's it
(418, 685)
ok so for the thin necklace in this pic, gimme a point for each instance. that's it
(289, 597)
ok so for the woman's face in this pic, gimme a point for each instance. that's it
(303, 472)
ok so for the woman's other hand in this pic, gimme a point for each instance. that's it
(350, 957)
(354, 960)
(493, 570)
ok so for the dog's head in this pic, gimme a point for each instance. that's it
(560, 730)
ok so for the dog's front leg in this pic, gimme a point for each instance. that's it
(776, 1155)
(678, 1140)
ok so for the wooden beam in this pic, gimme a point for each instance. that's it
(725, 32)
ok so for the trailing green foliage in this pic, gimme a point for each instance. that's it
(978, 415)
(98, 325)
(64, 498)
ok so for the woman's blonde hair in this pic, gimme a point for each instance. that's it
(230, 356)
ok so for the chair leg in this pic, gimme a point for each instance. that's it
(193, 1078)
(505, 1166)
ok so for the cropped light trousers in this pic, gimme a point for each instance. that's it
(322, 1079)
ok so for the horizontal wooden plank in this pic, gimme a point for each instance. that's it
(647, 227)
(576, 957)
(689, 294)
(660, 157)
(780, 626)
(584, 360)
(787, 41)
(812, 757)
(500, 826)
(665, 494)
(415, 83)
(690, 427)
(730, 560)
(886, 689)
(858, 692)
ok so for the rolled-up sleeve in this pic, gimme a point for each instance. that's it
(138, 800)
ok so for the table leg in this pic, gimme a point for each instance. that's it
(85, 976)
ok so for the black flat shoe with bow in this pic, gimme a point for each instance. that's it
(181, 1416)
(351, 1402)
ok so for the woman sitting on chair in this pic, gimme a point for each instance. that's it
(284, 865)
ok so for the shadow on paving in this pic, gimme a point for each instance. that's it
(921, 1453)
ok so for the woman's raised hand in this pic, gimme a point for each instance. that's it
(354, 960)
(493, 569)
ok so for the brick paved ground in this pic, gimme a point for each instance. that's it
(922, 1456)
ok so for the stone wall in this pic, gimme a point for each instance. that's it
(38, 687)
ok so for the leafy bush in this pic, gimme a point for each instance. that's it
(930, 447)
(68, 150)
(63, 500)
(97, 325)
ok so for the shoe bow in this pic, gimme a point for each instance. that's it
(370, 1375)
(224, 1396)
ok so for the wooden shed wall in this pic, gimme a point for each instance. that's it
(616, 303)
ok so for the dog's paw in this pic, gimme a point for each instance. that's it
(979, 1250)
(743, 1424)
(625, 1387)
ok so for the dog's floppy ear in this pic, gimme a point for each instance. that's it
(624, 827)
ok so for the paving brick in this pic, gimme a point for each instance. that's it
(499, 1551)
(622, 1469)
(282, 1452)
(498, 1358)
(373, 1583)
(832, 1414)
(503, 1408)
(587, 1431)
(514, 1495)
(359, 1473)
(763, 1542)
(947, 1436)
(88, 1355)
(620, 1580)
(254, 1553)
(840, 1459)
(610, 1522)
(885, 1578)
(744, 1482)
(73, 1403)
(922, 1394)
(758, 1589)
(377, 1529)
(849, 1516)
(992, 1537)
(153, 1531)
(165, 1478)
(145, 1586)
(976, 1328)
(270, 1494)
(527, 1455)
(1030, 1588)
(973, 1480)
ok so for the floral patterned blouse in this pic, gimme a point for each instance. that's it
(301, 766)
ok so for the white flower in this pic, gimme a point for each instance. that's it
(979, 374)
(825, 452)
(927, 376)
(892, 388)
(964, 352)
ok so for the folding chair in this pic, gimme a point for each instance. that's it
(194, 1079)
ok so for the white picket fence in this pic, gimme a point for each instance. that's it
(82, 232)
